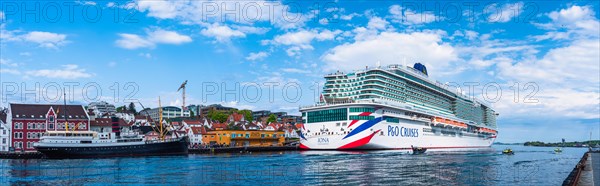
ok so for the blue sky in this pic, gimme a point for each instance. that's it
(145, 49)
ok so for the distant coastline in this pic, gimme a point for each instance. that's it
(561, 144)
(558, 144)
(500, 143)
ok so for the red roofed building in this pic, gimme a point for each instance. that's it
(192, 123)
(235, 117)
(29, 121)
(219, 126)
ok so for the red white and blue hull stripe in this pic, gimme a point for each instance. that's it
(378, 133)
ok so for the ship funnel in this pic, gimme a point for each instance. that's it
(421, 68)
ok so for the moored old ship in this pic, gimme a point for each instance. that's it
(90, 144)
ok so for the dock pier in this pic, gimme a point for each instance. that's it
(586, 172)
(241, 149)
(21, 155)
(38, 155)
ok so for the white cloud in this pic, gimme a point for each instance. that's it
(168, 37)
(548, 102)
(25, 54)
(236, 104)
(257, 56)
(156, 36)
(41, 38)
(295, 70)
(251, 29)
(146, 55)
(391, 48)
(373, 28)
(9, 71)
(162, 9)
(7, 62)
(349, 17)
(407, 16)
(576, 64)
(221, 33)
(505, 13)
(301, 40)
(1, 15)
(46, 39)
(572, 14)
(323, 21)
(377, 23)
(247, 12)
(69, 71)
(575, 22)
(133, 41)
(112, 64)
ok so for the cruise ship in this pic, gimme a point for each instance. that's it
(395, 107)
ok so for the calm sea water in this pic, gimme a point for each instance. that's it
(529, 166)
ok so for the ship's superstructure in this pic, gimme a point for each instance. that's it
(395, 108)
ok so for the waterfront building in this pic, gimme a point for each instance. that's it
(235, 118)
(273, 126)
(102, 108)
(257, 115)
(291, 119)
(291, 133)
(240, 138)
(167, 113)
(195, 134)
(29, 121)
(4, 131)
(104, 125)
(195, 108)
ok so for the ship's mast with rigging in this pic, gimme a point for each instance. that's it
(160, 120)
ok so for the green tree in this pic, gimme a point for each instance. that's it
(247, 114)
(216, 115)
(192, 114)
(132, 109)
(271, 118)
(122, 109)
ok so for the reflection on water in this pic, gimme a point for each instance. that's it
(529, 166)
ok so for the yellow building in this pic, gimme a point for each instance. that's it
(240, 138)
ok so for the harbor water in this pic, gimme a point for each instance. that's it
(528, 166)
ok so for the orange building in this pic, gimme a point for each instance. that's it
(240, 138)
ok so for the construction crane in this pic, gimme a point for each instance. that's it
(182, 87)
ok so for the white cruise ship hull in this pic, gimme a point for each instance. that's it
(379, 134)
